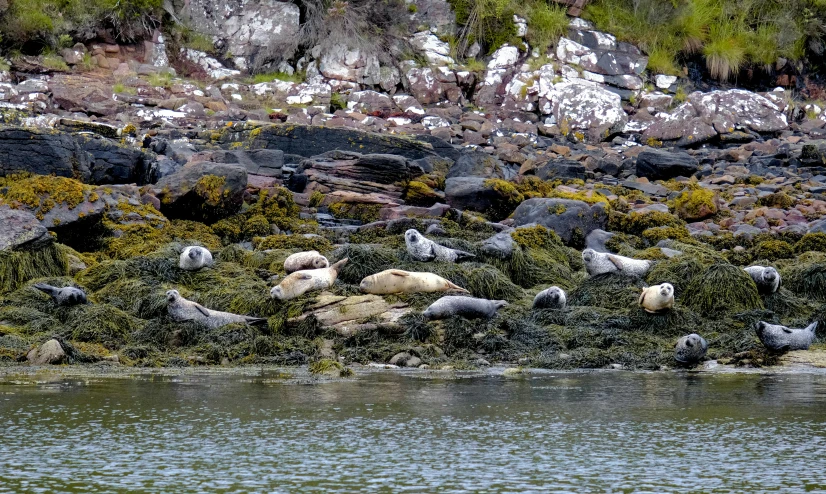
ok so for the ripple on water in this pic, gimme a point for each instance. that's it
(389, 432)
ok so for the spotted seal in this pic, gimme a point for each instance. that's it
(300, 282)
(65, 296)
(397, 281)
(602, 262)
(657, 298)
(459, 305)
(422, 248)
(690, 349)
(194, 258)
(181, 309)
(766, 277)
(305, 260)
(550, 298)
(780, 338)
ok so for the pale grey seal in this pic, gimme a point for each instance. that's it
(766, 277)
(780, 338)
(300, 282)
(305, 260)
(63, 296)
(421, 248)
(468, 307)
(181, 309)
(690, 349)
(194, 258)
(657, 298)
(601, 263)
(550, 298)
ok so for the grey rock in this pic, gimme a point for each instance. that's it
(596, 240)
(21, 230)
(571, 220)
(659, 164)
(50, 352)
(42, 153)
(475, 163)
(500, 245)
(182, 197)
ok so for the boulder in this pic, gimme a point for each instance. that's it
(50, 352)
(202, 191)
(346, 314)
(266, 162)
(114, 163)
(658, 164)
(572, 220)
(600, 53)
(42, 152)
(21, 230)
(500, 245)
(587, 107)
(75, 93)
(481, 195)
(341, 63)
(355, 172)
(307, 141)
(436, 51)
(370, 101)
(476, 163)
(561, 168)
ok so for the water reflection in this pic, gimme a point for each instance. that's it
(646, 432)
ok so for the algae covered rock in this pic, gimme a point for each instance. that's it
(572, 220)
(21, 230)
(696, 204)
(202, 191)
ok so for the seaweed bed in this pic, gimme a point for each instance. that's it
(128, 274)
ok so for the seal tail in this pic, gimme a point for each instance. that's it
(256, 321)
(463, 256)
(48, 289)
(340, 264)
(457, 288)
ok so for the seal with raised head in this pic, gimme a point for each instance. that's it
(181, 309)
(467, 307)
(397, 281)
(690, 349)
(65, 296)
(421, 248)
(300, 282)
(780, 338)
(766, 278)
(550, 298)
(602, 262)
(194, 258)
(305, 260)
(657, 298)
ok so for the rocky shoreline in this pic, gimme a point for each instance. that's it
(108, 172)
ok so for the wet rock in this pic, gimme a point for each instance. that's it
(42, 153)
(50, 352)
(202, 191)
(657, 164)
(500, 245)
(475, 163)
(477, 194)
(115, 163)
(307, 141)
(21, 230)
(356, 172)
(596, 240)
(572, 220)
(561, 168)
(265, 162)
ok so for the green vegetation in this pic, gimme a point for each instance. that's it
(296, 77)
(729, 34)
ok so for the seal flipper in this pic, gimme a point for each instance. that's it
(456, 287)
(47, 289)
(642, 298)
(202, 309)
(255, 320)
(399, 272)
(615, 261)
(463, 256)
(787, 330)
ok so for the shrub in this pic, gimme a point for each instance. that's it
(546, 23)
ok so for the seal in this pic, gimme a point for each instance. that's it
(63, 296)
(300, 282)
(550, 298)
(690, 349)
(766, 277)
(602, 262)
(657, 298)
(467, 307)
(305, 260)
(421, 248)
(181, 309)
(779, 338)
(398, 281)
(194, 258)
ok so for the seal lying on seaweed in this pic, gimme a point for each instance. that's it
(766, 277)
(181, 309)
(300, 282)
(550, 298)
(398, 281)
(194, 258)
(63, 296)
(421, 248)
(780, 338)
(601, 263)
(657, 298)
(468, 307)
(305, 260)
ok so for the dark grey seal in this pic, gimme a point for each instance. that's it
(63, 296)
(766, 277)
(550, 298)
(468, 307)
(690, 349)
(780, 338)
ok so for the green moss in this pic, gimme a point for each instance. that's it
(19, 267)
(302, 242)
(772, 250)
(144, 239)
(366, 213)
(777, 200)
(635, 223)
(330, 367)
(420, 194)
(654, 235)
(41, 193)
(610, 291)
(811, 242)
(806, 279)
(537, 237)
(277, 206)
(101, 324)
(506, 199)
(256, 225)
(722, 289)
(316, 198)
(695, 205)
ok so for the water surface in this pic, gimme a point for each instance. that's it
(394, 432)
